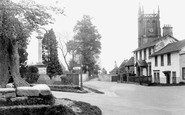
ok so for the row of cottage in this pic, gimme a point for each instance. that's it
(160, 59)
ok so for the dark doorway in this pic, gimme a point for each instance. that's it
(138, 71)
(168, 75)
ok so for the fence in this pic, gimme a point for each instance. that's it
(140, 79)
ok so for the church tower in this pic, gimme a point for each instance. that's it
(148, 26)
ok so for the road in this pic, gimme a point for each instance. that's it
(130, 99)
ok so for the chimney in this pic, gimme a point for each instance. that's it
(167, 30)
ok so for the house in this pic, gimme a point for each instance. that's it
(158, 58)
(143, 63)
(114, 73)
(122, 71)
(129, 66)
(168, 64)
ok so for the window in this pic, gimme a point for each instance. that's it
(144, 54)
(148, 23)
(168, 59)
(174, 77)
(136, 56)
(156, 76)
(150, 69)
(140, 55)
(183, 73)
(162, 60)
(156, 62)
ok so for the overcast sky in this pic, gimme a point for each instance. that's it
(116, 21)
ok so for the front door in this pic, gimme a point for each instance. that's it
(138, 71)
(168, 77)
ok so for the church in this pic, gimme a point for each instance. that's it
(159, 55)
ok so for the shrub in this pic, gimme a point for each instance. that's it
(181, 83)
(32, 74)
(66, 80)
(37, 110)
(40, 100)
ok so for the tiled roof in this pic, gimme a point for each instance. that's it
(141, 63)
(114, 71)
(147, 45)
(153, 42)
(172, 47)
(123, 63)
(130, 62)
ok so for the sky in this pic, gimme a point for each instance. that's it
(116, 21)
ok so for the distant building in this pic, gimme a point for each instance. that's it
(160, 58)
(129, 66)
(114, 73)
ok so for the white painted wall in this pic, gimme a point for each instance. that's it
(182, 64)
(175, 66)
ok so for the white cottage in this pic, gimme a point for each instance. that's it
(142, 60)
(168, 63)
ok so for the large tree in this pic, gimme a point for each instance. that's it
(50, 54)
(16, 18)
(89, 45)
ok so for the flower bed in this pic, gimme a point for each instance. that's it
(67, 88)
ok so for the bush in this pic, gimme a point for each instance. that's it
(66, 80)
(32, 74)
(181, 83)
(40, 100)
(37, 110)
(88, 109)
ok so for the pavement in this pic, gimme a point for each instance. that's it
(131, 99)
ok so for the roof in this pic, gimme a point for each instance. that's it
(153, 42)
(130, 62)
(141, 63)
(123, 63)
(114, 71)
(172, 47)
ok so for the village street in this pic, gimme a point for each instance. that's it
(130, 99)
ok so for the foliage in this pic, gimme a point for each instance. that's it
(50, 54)
(88, 43)
(32, 74)
(104, 71)
(37, 110)
(18, 21)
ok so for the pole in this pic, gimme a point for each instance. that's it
(81, 84)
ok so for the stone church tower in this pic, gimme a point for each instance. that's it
(148, 27)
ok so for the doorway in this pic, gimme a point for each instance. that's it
(168, 76)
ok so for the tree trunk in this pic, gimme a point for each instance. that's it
(9, 65)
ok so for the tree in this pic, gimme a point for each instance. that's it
(50, 54)
(62, 45)
(89, 45)
(104, 71)
(17, 18)
(69, 47)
